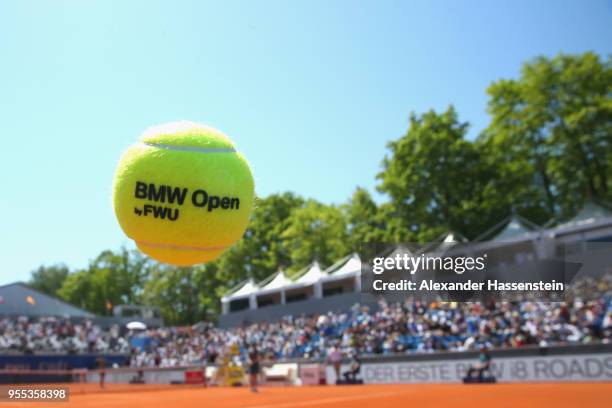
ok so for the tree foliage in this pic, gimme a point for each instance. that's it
(110, 279)
(184, 295)
(434, 177)
(551, 134)
(49, 279)
(315, 232)
(365, 220)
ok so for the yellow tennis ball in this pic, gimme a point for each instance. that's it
(183, 193)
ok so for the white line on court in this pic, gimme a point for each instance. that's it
(331, 400)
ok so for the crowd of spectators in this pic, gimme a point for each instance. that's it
(58, 335)
(390, 328)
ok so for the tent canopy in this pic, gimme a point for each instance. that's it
(589, 214)
(443, 243)
(312, 275)
(514, 229)
(276, 283)
(243, 290)
(352, 267)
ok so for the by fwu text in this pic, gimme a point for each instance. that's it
(162, 200)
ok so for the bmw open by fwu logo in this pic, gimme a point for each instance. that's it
(177, 196)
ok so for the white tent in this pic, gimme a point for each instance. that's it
(590, 213)
(513, 230)
(278, 285)
(453, 238)
(245, 290)
(352, 267)
(443, 243)
(312, 275)
(275, 284)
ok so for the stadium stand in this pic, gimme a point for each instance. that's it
(393, 328)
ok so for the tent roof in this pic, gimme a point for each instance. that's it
(352, 267)
(444, 242)
(278, 281)
(307, 276)
(312, 275)
(453, 237)
(589, 214)
(514, 229)
(511, 228)
(402, 250)
(20, 299)
(242, 290)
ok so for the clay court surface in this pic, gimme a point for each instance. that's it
(381, 396)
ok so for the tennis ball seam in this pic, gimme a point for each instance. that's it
(162, 245)
(191, 148)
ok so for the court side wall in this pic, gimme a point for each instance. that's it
(555, 364)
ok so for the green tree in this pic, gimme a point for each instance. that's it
(434, 178)
(365, 221)
(185, 295)
(76, 289)
(49, 279)
(128, 269)
(110, 279)
(316, 232)
(551, 133)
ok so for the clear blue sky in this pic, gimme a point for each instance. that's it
(310, 91)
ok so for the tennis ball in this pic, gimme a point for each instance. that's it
(183, 193)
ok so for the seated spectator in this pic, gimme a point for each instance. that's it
(350, 376)
(484, 364)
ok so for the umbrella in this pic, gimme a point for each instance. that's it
(136, 326)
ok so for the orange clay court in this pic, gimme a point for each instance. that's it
(384, 396)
